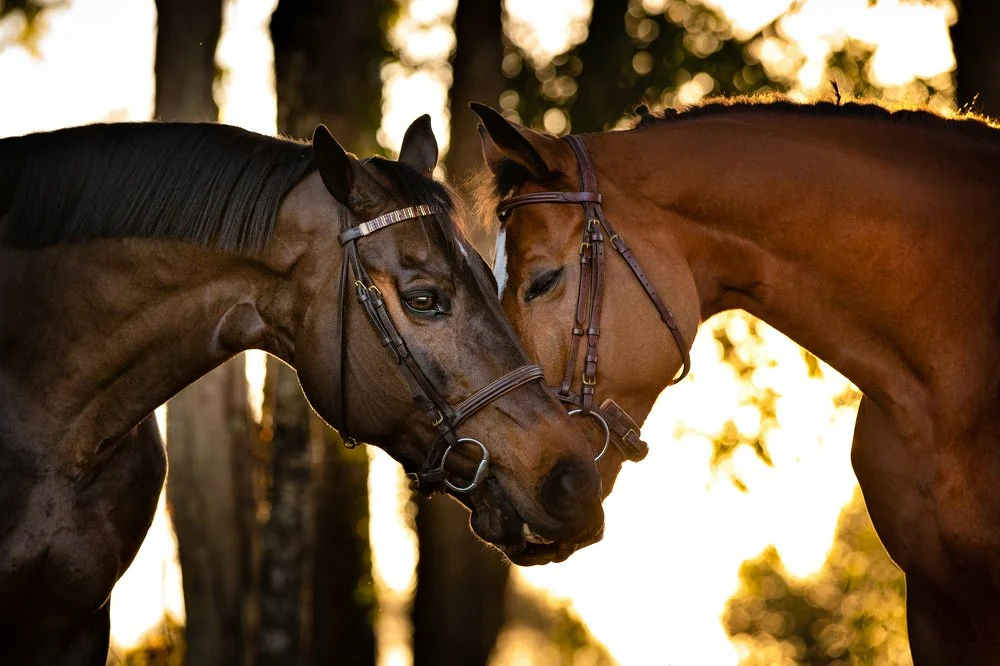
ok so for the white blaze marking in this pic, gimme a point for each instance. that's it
(500, 262)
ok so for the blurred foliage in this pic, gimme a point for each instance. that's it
(672, 53)
(847, 66)
(850, 612)
(543, 632)
(632, 55)
(28, 13)
(765, 374)
(163, 645)
(29, 8)
(742, 358)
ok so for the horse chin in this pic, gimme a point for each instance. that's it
(528, 553)
(532, 554)
(495, 520)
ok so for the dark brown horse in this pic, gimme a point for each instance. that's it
(870, 237)
(135, 258)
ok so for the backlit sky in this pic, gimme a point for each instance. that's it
(654, 588)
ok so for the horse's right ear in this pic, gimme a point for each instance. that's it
(345, 177)
(503, 140)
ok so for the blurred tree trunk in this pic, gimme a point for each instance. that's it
(327, 56)
(458, 609)
(211, 504)
(187, 33)
(327, 61)
(607, 62)
(209, 489)
(977, 55)
(477, 76)
(285, 596)
(344, 596)
(477, 69)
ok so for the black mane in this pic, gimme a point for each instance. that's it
(215, 185)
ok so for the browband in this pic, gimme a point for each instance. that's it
(507, 205)
(383, 221)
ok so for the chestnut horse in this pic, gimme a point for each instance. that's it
(870, 237)
(134, 258)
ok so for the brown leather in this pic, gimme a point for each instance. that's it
(589, 300)
(439, 412)
(509, 204)
(625, 431)
(496, 389)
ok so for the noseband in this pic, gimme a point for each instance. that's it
(441, 414)
(614, 421)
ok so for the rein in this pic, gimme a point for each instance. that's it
(616, 424)
(441, 414)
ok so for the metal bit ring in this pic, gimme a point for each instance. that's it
(481, 470)
(604, 426)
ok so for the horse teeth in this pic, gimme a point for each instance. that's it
(531, 537)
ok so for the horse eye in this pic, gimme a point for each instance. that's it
(543, 284)
(422, 303)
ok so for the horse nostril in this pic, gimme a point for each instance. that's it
(562, 488)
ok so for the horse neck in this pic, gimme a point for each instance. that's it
(100, 333)
(865, 241)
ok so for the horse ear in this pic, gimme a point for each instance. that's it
(503, 140)
(420, 148)
(345, 178)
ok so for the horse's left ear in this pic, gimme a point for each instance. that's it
(420, 148)
(503, 141)
(345, 177)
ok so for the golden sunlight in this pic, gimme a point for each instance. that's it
(677, 532)
(654, 590)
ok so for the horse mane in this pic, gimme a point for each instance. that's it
(490, 188)
(966, 122)
(214, 185)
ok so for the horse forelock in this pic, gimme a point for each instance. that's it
(485, 196)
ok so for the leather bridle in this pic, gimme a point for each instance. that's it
(441, 414)
(616, 424)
